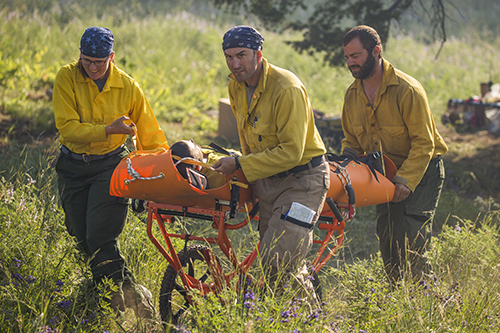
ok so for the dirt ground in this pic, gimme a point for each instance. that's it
(472, 162)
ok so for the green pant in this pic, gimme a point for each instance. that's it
(92, 215)
(405, 228)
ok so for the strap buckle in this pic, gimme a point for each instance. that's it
(86, 158)
(376, 154)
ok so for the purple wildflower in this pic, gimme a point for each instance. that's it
(250, 295)
(248, 305)
(313, 315)
(181, 329)
(64, 304)
(54, 320)
(46, 329)
(17, 276)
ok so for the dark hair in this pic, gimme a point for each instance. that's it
(368, 37)
(183, 149)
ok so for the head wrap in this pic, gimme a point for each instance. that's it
(97, 42)
(242, 36)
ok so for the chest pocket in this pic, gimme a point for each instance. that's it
(397, 139)
(264, 135)
(361, 135)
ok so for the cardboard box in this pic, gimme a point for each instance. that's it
(228, 130)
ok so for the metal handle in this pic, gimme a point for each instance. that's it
(334, 209)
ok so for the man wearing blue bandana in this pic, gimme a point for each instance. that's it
(96, 105)
(282, 153)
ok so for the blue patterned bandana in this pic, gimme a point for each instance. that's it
(97, 42)
(242, 36)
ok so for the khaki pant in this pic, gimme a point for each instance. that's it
(283, 243)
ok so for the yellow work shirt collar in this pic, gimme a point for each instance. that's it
(113, 80)
(261, 86)
(389, 78)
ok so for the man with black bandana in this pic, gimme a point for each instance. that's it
(387, 110)
(282, 152)
(96, 105)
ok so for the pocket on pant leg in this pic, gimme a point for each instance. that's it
(423, 201)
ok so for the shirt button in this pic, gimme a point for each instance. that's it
(373, 125)
(376, 143)
(368, 105)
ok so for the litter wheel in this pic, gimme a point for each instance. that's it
(317, 286)
(173, 296)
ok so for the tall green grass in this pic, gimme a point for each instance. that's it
(175, 55)
(177, 59)
(45, 285)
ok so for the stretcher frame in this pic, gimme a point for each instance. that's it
(146, 175)
(330, 221)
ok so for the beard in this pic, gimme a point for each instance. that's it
(365, 70)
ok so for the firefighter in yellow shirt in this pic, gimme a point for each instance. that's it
(282, 150)
(387, 110)
(96, 105)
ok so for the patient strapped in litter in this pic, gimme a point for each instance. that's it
(186, 151)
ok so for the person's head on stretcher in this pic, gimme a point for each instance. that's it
(188, 148)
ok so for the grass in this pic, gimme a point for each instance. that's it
(175, 55)
(46, 286)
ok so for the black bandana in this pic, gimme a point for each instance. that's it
(242, 36)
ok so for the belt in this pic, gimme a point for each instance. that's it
(88, 158)
(314, 162)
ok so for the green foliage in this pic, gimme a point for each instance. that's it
(45, 283)
(324, 23)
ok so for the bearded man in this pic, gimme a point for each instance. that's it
(387, 111)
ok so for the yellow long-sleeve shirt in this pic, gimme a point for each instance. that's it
(400, 125)
(82, 112)
(278, 132)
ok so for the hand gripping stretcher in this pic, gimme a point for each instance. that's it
(153, 177)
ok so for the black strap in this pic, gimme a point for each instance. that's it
(183, 260)
(370, 159)
(219, 149)
(314, 162)
(297, 222)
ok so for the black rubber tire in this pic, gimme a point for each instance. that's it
(317, 286)
(171, 286)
